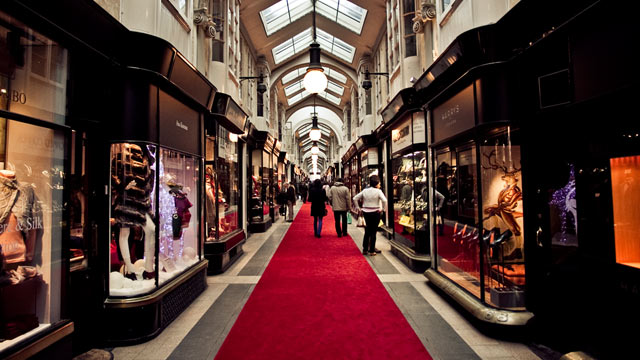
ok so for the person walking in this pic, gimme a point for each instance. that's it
(303, 191)
(318, 198)
(371, 197)
(291, 200)
(340, 203)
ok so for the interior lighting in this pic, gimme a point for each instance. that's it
(315, 81)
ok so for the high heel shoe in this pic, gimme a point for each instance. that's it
(502, 238)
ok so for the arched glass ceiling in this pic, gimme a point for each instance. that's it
(325, 95)
(292, 75)
(302, 117)
(283, 13)
(302, 41)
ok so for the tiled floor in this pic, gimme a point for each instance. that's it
(199, 332)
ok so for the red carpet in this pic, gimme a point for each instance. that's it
(320, 299)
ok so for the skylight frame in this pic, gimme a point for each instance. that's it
(301, 42)
(294, 74)
(342, 12)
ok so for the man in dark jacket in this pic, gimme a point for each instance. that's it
(291, 200)
(303, 192)
(340, 203)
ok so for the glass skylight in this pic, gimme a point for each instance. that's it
(284, 12)
(293, 88)
(342, 12)
(302, 95)
(336, 88)
(302, 41)
(292, 75)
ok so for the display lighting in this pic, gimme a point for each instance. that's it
(315, 81)
(233, 137)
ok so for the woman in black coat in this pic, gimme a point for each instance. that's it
(318, 198)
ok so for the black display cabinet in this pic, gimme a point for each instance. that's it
(408, 188)
(223, 184)
(262, 197)
(154, 176)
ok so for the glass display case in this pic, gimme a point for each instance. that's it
(410, 196)
(229, 183)
(262, 182)
(409, 184)
(133, 188)
(486, 260)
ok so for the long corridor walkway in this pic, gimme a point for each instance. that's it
(294, 296)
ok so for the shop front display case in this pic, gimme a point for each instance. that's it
(478, 180)
(407, 170)
(260, 144)
(153, 256)
(223, 190)
(274, 210)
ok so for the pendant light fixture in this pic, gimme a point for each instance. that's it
(315, 133)
(315, 150)
(315, 81)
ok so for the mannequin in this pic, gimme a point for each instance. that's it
(20, 219)
(132, 182)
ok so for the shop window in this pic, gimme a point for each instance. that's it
(503, 222)
(134, 216)
(229, 182)
(209, 188)
(625, 184)
(178, 200)
(33, 72)
(31, 218)
(457, 234)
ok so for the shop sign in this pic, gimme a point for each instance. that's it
(372, 157)
(401, 136)
(454, 115)
(419, 128)
(178, 125)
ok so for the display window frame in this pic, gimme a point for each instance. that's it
(410, 217)
(485, 262)
(171, 257)
(40, 263)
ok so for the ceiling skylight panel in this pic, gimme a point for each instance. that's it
(283, 13)
(335, 88)
(293, 88)
(331, 98)
(292, 46)
(292, 75)
(344, 13)
(335, 46)
(336, 75)
(294, 99)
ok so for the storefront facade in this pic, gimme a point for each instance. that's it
(408, 188)
(261, 146)
(223, 184)
(35, 140)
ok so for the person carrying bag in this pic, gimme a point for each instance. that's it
(371, 198)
